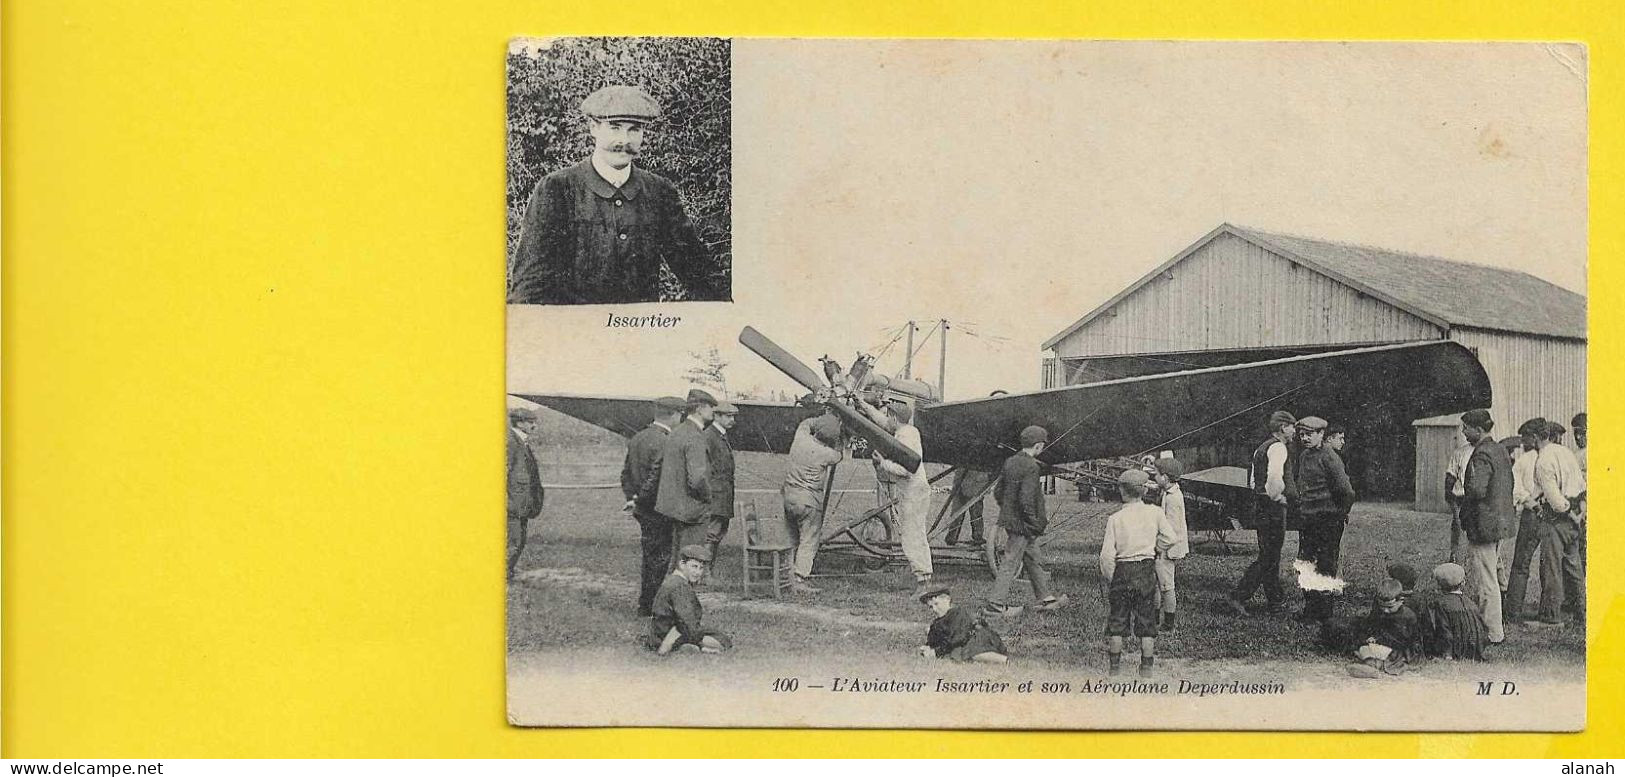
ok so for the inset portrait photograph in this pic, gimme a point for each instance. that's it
(619, 178)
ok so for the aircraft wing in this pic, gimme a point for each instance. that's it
(1130, 416)
(760, 426)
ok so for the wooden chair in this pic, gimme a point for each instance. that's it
(764, 561)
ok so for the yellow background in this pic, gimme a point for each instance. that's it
(253, 360)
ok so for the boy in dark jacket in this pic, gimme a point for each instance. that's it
(1022, 516)
(1451, 625)
(1388, 638)
(958, 634)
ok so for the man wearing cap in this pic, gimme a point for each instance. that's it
(1486, 507)
(640, 482)
(525, 494)
(1022, 515)
(684, 494)
(599, 230)
(1533, 435)
(676, 622)
(719, 458)
(818, 446)
(1134, 536)
(1324, 498)
(1273, 492)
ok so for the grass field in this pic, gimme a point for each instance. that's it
(575, 592)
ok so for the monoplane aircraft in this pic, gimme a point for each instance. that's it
(1105, 425)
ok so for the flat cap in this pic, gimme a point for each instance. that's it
(1283, 418)
(669, 404)
(934, 590)
(1171, 467)
(1578, 421)
(1449, 575)
(1478, 419)
(619, 102)
(1535, 426)
(1512, 443)
(696, 552)
(1312, 423)
(727, 407)
(1034, 435)
(1134, 477)
(701, 396)
(517, 414)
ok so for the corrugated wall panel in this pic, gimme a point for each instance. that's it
(1231, 293)
(1529, 376)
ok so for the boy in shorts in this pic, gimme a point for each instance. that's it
(1135, 535)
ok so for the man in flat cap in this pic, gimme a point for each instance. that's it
(684, 494)
(599, 230)
(676, 622)
(1486, 512)
(524, 482)
(719, 459)
(1273, 493)
(640, 482)
(1324, 498)
(1023, 517)
(910, 490)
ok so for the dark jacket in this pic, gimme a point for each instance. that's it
(676, 605)
(640, 474)
(685, 486)
(524, 480)
(720, 468)
(1021, 500)
(1487, 504)
(962, 636)
(1322, 484)
(584, 241)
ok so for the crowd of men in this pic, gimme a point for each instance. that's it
(1511, 500)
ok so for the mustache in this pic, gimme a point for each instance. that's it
(624, 148)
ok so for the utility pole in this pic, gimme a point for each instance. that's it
(942, 363)
(908, 361)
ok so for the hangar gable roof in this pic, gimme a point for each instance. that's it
(1445, 292)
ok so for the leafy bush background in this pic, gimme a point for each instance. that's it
(690, 146)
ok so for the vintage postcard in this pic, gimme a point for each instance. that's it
(1046, 384)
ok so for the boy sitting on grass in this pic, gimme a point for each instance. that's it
(1387, 638)
(957, 634)
(1451, 625)
(676, 621)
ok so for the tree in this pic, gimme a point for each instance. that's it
(708, 370)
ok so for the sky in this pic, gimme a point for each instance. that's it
(1012, 186)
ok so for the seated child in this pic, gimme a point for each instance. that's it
(676, 621)
(1135, 535)
(1387, 638)
(957, 634)
(1452, 627)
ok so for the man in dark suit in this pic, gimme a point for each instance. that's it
(1486, 508)
(524, 482)
(600, 230)
(640, 479)
(684, 494)
(720, 472)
